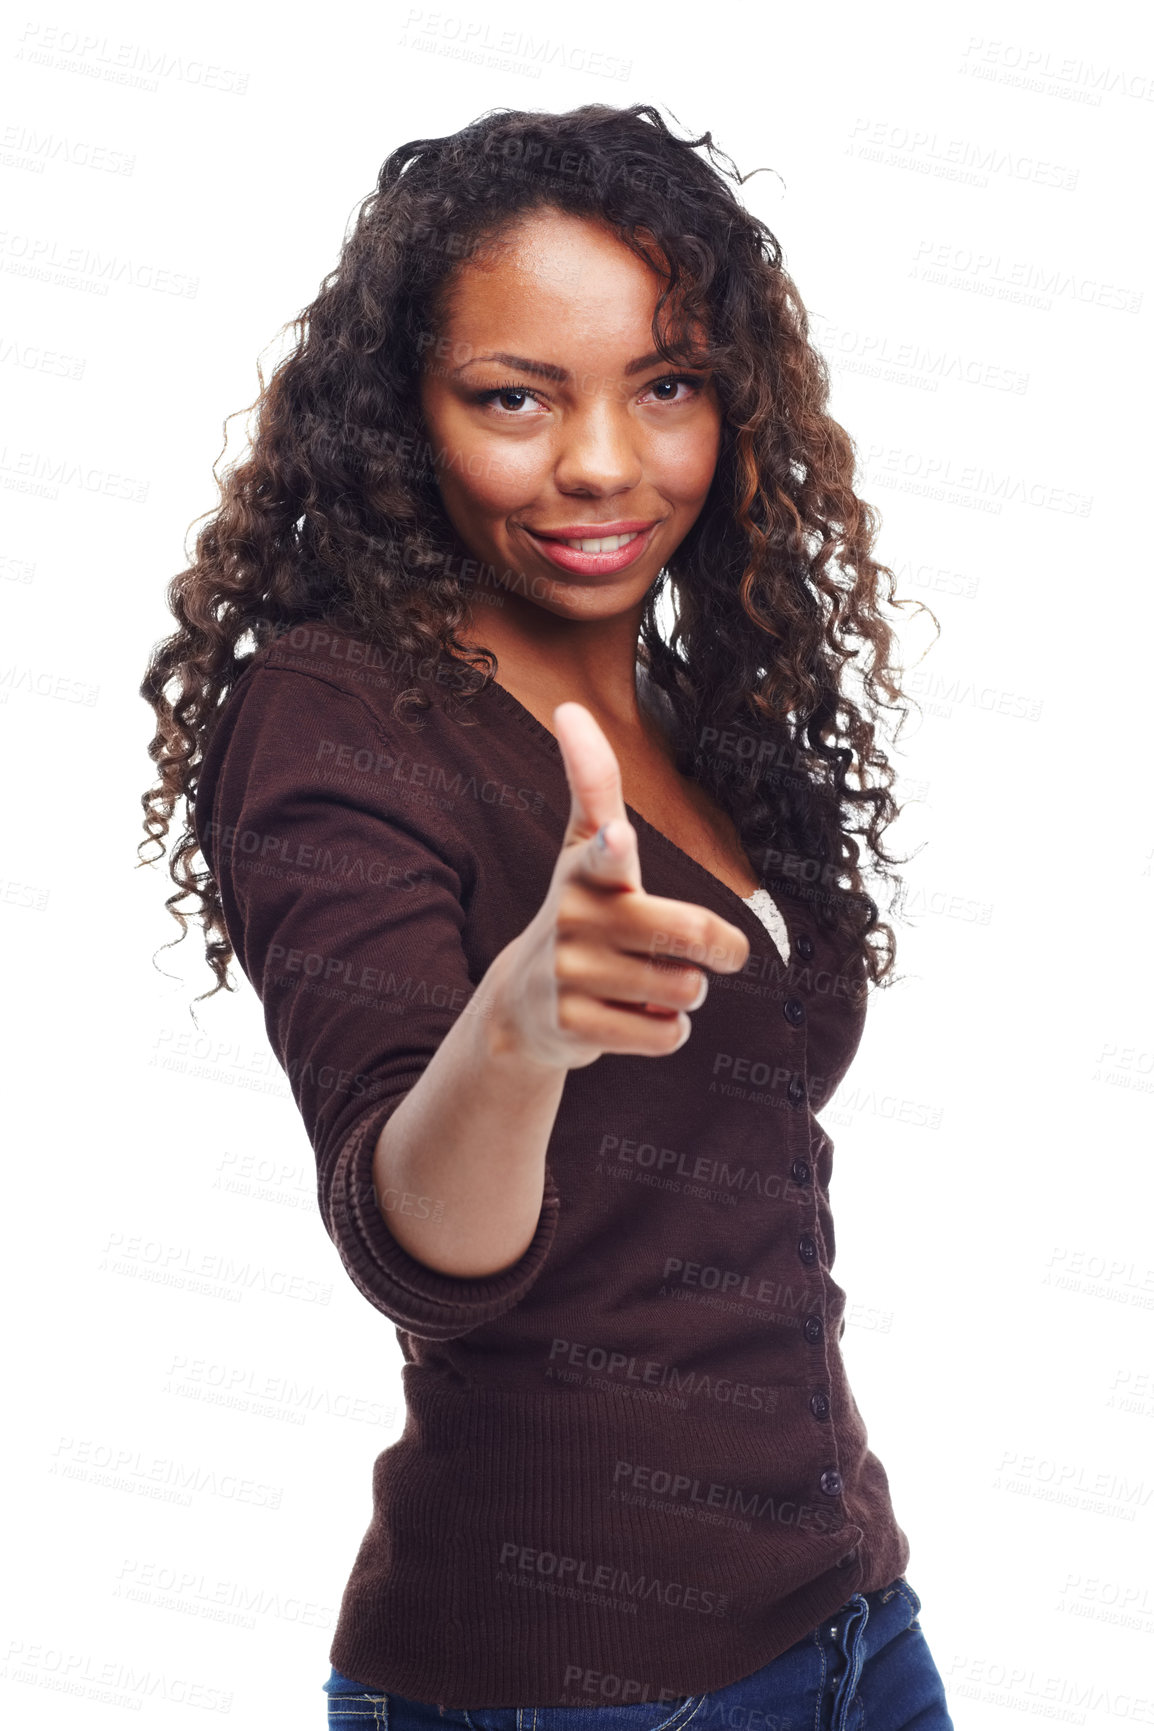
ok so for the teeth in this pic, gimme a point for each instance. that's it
(607, 543)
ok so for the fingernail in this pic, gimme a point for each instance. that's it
(602, 838)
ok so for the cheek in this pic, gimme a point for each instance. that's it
(490, 481)
(687, 466)
(473, 471)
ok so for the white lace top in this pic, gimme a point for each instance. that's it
(769, 914)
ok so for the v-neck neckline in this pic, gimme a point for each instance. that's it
(752, 920)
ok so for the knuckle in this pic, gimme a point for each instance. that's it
(570, 916)
(567, 898)
(702, 933)
(683, 984)
(565, 963)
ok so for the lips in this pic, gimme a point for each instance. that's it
(556, 550)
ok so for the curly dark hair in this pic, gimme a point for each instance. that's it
(336, 515)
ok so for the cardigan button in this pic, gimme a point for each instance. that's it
(807, 1249)
(831, 1483)
(795, 1093)
(803, 944)
(800, 1171)
(813, 1329)
(794, 1011)
(819, 1404)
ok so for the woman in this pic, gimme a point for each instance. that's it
(562, 966)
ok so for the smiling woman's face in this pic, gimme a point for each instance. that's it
(552, 421)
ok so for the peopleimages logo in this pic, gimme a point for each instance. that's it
(657, 1482)
(651, 1373)
(608, 1578)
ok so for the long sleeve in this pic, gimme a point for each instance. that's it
(344, 884)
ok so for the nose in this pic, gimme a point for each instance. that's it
(599, 453)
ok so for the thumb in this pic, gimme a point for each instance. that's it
(597, 814)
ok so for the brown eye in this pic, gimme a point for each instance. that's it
(486, 398)
(698, 385)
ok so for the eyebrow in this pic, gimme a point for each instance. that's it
(559, 375)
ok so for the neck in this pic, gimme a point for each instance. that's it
(554, 660)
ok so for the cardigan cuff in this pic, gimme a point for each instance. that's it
(421, 1300)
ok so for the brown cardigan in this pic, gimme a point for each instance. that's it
(632, 1467)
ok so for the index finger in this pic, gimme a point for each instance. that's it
(680, 931)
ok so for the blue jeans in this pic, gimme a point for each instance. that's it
(867, 1668)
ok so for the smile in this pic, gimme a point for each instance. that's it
(594, 555)
(607, 543)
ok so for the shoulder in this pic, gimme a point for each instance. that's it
(315, 713)
(310, 725)
(319, 657)
(318, 696)
(314, 674)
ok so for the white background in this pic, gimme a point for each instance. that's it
(962, 195)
